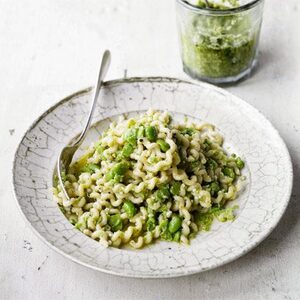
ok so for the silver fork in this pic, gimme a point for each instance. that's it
(66, 155)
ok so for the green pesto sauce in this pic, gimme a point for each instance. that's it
(218, 46)
(221, 4)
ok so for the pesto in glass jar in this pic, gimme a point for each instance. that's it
(217, 47)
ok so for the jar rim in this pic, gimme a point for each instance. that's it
(214, 11)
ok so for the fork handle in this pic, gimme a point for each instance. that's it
(105, 63)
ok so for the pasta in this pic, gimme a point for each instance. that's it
(148, 178)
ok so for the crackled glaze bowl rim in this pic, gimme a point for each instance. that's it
(244, 250)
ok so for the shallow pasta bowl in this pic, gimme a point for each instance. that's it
(246, 132)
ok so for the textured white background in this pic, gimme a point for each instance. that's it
(51, 48)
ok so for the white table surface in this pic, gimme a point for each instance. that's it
(49, 49)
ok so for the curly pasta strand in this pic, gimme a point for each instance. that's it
(147, 179)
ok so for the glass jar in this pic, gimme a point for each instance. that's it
(219, 45)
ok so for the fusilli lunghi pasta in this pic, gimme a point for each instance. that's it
(148, 178)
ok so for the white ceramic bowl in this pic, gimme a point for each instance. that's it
(246, 131)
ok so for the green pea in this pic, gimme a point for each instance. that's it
(164, 225)
(115, 222)
(175, 188)
(229, 172)
(150, 224)
(151, 133)
(240, 164)
(141, 132)
(117, 172)
(120, 168)
(174, 224)
(129, 208)
(165, 233)
(127, 150)
(214, 188)
(163, 193)
(131, 136)
(164, 146)
(176, 237)
(90, 168)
